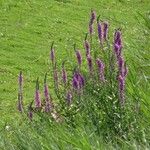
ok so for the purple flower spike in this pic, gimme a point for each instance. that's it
(101, 67)
(79, 57)
(92, 19)
(105, 28)
(90, 29)
(93, 16)
(90, 65)
(117, 43)
(78, 81)
(37, 96)
(121, 66)
(64, 75)
(69, 98)
(75, 83)
(121, 89)
(87, 47)
(100, 34)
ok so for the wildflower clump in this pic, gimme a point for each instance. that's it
(93, 89)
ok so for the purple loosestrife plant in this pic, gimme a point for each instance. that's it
(37, 95)
(101, 67)
(20, 92)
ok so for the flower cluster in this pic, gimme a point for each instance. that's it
(73, 83)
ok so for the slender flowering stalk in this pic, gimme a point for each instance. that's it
(30, 111)
(20, 103)
(121, 82)
(48, 104)
(69, 97)
(90, 65)
(20, 80)
(105, 30)
(64, 74)
(55, 74)
(101, 67)
(37, 95)
(20, 92)
(87, 46)
(91, 29)
(52, 53)
(121, 66)
(79, 57)
(125, 72)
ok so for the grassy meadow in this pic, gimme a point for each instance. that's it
(27, 29)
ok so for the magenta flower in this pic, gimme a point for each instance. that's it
(37, 95)
(101, 67)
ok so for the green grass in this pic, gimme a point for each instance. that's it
(27, 29)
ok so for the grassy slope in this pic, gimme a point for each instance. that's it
(27, 29)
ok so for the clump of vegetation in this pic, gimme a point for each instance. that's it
(91, 92)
